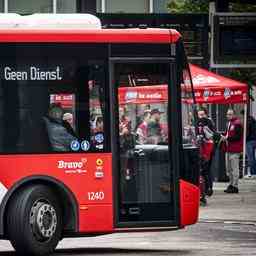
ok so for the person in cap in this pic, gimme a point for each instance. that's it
(155, 133)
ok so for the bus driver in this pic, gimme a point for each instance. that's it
(60, 132)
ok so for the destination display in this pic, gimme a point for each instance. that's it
(33, 73)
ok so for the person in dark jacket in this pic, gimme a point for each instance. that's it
(205, 130)
(60, 133)
(233, 141)
(154, 129)
(251, 144)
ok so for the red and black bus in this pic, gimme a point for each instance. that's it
(71, 163)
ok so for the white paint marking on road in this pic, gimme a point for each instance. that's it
(249, 223)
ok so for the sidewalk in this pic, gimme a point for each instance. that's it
(231, 207)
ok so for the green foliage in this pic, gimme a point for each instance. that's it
(238, 7)
(188, 6)
(202, 6)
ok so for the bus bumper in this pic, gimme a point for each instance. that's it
(189, 203)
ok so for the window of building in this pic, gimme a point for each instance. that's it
(1, 5)
(160, 6)
(66, 6)
(124, 6)
(98, 5)
(30, 6)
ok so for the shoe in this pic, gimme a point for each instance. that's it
(209, 192)
(231, 190)
(228, 189)
(248, 176)
(235, 190)
(203, 201)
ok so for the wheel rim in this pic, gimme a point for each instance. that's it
(43, 220)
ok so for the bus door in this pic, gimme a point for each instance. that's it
(142, 155)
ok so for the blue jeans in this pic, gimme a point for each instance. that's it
(250, 147)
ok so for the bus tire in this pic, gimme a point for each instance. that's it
(34, 221)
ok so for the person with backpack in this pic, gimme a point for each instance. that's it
(205, 130)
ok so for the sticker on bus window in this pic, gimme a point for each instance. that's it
(99, 138)
(85, 145)
(75, 145)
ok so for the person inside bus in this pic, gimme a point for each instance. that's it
(142, 129)
(127, 138)
(68, 117)
(98, 133)
(60, 132)
(155, 129)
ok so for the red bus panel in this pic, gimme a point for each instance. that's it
(91, 36)
(189, 203)
(89, 177)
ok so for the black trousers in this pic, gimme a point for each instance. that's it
(205, 166)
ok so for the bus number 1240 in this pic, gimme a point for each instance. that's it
(96, 196)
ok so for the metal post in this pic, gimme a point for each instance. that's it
(103, 6)
(54, 3)
(217, 117)
(244, 137)
(6, 6)
(151, 6)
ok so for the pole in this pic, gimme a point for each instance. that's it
(244, 137)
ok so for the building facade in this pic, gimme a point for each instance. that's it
(91, 6)
(39, 6)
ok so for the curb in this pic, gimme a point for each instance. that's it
(238, 222)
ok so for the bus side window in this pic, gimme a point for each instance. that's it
(96, 106)
(97, 132)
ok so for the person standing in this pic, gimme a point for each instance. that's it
(233, 143)
(155, 131)
(205, 130)
(142, 129)
(251, 145)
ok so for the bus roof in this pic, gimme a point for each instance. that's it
(149, 35)
(41, 27)
(49, 21)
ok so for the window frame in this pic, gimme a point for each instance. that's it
(174, 147)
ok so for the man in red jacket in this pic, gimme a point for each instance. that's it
(233, 139)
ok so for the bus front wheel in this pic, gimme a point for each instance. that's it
(34, 221)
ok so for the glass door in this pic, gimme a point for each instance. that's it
(143, 154)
